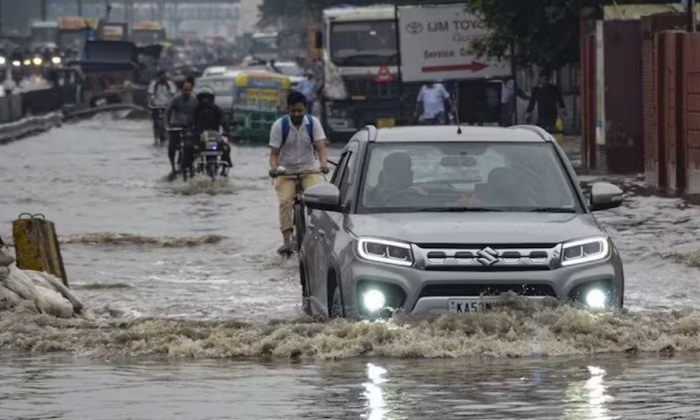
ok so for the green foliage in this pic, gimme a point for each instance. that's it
(545, 32)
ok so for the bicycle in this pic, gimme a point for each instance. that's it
(180, 150)
(159, 132)
(298, 208)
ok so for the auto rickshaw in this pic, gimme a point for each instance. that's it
(259, 99)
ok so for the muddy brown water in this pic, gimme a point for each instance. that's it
(196, 317)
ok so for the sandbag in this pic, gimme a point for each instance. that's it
(36, 246)
(8, 298)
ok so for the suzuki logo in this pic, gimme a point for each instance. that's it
(488, 256)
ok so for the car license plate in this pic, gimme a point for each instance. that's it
(462, 306)
(385, 122)
(211, 153)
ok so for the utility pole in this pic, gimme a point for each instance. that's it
(43, 11)
(80, 8)
(690, 13)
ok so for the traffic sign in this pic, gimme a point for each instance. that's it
(384, 75)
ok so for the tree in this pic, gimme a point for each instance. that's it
(545, 33)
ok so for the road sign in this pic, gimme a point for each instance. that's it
(384, 75)
(435, 44)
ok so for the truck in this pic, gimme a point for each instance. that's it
(44, 34)
(148, 33)
(265, 45)
(360, 56)
(71, 31)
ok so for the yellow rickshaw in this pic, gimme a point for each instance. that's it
(259, 99)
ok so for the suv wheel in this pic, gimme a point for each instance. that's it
(337, 304)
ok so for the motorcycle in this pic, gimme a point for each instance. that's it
(210, 160)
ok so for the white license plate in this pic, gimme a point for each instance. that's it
(463, 306)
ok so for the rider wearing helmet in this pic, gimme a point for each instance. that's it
(206, 116)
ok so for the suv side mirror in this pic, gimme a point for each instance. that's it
(605, 196)
(325, 196)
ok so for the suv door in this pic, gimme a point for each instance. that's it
(329, 224)
(316, 240)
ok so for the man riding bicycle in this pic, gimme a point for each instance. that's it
(297, 143)
(179, 115)
(160, 92)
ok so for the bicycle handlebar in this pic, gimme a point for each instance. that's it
(279, 173)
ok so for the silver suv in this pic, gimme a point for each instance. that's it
(439, 219)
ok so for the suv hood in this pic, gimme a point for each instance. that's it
(476, 228)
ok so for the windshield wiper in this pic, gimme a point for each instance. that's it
(458, 210)
(553, 210)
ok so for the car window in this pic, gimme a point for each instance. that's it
(337, 174)
(349, 161)
(443, 176)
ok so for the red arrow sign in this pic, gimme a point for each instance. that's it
(384, 75)
(474, 67)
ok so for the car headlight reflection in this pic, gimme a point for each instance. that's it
(373, 300)
(388, 252)
(596, 299)
(585, 251)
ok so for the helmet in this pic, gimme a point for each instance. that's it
(204, 92)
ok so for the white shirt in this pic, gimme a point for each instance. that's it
(433, 99)
(298, 153)
(162, 96)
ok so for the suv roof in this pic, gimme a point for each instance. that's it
(443, 133)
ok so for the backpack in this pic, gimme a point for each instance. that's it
(286, 121)
(167, 86)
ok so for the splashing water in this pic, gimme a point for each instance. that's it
(132, 239)
(518, 329)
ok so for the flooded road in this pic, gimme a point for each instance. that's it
(179, 271)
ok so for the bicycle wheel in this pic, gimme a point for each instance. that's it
(299, 224)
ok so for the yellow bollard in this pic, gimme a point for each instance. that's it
(559, 131)
(36, 245)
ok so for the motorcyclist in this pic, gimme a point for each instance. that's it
(179, 115)
(206, 117)
(160, 92)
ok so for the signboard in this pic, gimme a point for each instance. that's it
(75, 23)
(435, 42)
(112, 32)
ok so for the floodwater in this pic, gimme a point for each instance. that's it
(195, 316)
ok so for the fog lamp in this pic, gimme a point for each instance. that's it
(596, 299)
(373, 300)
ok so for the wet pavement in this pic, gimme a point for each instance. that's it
(141, 251)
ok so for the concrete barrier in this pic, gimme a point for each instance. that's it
(36, 246)
(30, 125)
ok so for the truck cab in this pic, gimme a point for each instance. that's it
(360, 56)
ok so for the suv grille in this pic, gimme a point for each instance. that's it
(450, 290)
(485, 258)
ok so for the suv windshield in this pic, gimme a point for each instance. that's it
(479, 176)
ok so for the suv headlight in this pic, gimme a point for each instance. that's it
(388, 252)
(585, 251)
